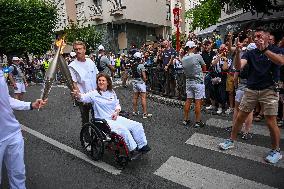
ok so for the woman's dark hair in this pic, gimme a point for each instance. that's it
(109, 82)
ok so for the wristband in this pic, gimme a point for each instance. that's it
(31, 106)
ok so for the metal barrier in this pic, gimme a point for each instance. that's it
(157, 80)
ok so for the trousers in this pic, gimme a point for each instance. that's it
(12, 155)
(131, 131)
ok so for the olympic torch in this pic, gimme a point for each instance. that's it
(66, 73)
(50, 74)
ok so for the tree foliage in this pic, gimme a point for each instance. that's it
(209, 11)
(26, 26)
(90, 35)
(205, 14)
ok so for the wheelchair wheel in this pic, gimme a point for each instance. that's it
(92, 141)
(121, 151)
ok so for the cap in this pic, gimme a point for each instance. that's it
(251, 46)
(101, 48)
(206, 42)
(190, 44)
(15, 58)
(137, 55)
(72, 54)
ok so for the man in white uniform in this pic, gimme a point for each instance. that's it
(11, 139)
(84, 72)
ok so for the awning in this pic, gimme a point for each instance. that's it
(207, 30)
(247, 20)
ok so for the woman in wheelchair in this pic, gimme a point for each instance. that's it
(106, 106)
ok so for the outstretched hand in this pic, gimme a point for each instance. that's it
(76, 94)
(39, 103)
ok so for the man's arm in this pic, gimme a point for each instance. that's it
(238, 62)
(21, 105)
(275, 58)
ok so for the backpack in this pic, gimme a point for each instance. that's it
(15, 70)
(98, 63)
(135, 73)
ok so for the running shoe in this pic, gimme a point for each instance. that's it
(210, 107)
(199, 124)
(247, 136)
(144, 149)
(273, 156)
(145, 116)
(227, 144)
(219, 111)
(135, 113)
(186, 123)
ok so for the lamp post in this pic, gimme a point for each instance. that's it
(176, 12)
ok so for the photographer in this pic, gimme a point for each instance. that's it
(220, 64)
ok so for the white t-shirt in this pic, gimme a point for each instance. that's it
(104, 104)
(84, 74)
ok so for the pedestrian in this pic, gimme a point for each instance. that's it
(103, 63)
(193, 65)
(84, 72)
(17, 79)
(106, 106)
(11, 139)
(261, 87)
(139, 85)
(167, 56)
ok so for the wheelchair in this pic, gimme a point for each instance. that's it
(96, 136)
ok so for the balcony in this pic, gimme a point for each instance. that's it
(96, 13)
(117, 12)
(96, 17)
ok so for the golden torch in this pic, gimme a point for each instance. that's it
(51, 72)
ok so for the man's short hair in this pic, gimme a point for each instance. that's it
(79, 43)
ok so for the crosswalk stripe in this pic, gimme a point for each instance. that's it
(256, 129)
(194, 175)
(72, 151)
(247, 151)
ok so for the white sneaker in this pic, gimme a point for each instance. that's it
(219, 111)
(210, 107)
(229, 111)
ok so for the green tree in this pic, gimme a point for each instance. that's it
(26, 26)
(205, 14)
(90, 35)
(209, 11)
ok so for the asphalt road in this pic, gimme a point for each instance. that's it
(175, 161)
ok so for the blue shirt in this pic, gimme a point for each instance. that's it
(167, 54)
(263, 73)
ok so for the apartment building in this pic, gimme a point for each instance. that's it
(123, 22)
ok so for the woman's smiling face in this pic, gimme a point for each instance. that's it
(102, 83)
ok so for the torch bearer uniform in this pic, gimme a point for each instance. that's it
(85, 75)
(11, 139)
(105, 104)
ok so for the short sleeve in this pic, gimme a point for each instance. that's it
(73, 74)
(245, 56)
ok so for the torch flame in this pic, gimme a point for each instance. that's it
(61, 44)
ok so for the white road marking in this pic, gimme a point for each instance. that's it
(247, 151)
(194, 175)
(72, 151)
(256, 129)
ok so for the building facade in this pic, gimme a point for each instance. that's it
(184, 5)
(123, 22)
